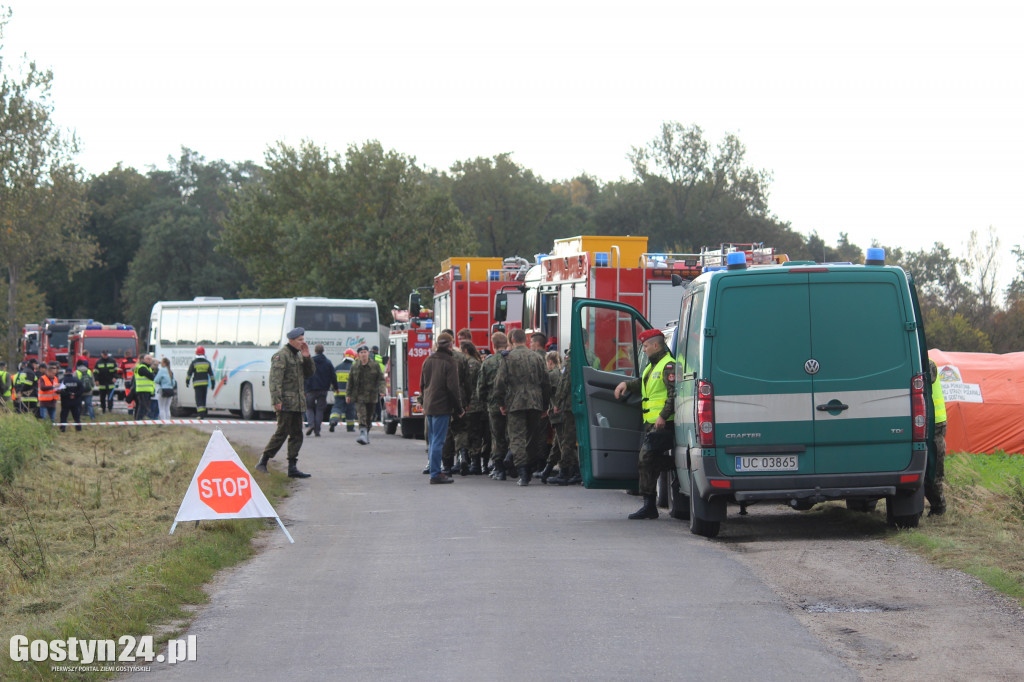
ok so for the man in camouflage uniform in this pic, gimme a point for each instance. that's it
(569, 462)
(457, 439)
(289, 369)
(554, 419)
(486, 395)
(522, 388)
(365, 388)
(657, 383)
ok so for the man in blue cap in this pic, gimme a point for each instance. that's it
(289, 369)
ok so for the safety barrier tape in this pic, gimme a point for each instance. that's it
(156, 422)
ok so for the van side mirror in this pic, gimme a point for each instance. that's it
(414, 305)
(500, 307)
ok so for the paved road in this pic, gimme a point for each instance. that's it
(391, 578)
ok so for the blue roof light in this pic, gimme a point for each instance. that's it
(876, 256)
(737, 260)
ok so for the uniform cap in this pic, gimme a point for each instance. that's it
(296, 333)
(200, 350)
(650, 334)
(362, 348)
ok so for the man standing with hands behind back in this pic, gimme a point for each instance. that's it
(289, 369)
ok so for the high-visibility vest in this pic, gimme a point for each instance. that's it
(47, 388)
(341, 372)
(938, 401)
(202, 371)
(380, 362)
(144, 384)
(655, 392)
(3, 383)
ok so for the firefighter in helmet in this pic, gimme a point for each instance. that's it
(342, 408)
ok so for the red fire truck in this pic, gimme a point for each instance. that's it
(30, 342)
(410, 342)
(465, 289)
(613, 269)
(120, 341)
(53, 346)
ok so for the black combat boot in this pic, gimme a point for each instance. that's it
(648, 511)
(577, 477)
(545, 473)
(293, 472)
(499, 470)
(561, 479)
(475, 468)
(463, 456)
(524, 475)
(262, 466)
(510, 462)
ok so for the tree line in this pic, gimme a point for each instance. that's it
(373, 223)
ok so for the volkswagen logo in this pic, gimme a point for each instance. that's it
(812, 366)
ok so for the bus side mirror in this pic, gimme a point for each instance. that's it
(414, 305)
(500, 307)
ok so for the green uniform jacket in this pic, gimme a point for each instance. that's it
(365, 382)
(554, 378)
(485, 393)
(289, 370)
(522, 381)
(473, 376)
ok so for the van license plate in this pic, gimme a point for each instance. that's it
(767, 463)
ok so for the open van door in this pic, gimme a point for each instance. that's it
(604, 352)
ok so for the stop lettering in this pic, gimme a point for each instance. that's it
(224, 487)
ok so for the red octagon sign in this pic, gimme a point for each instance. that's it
(224, 487)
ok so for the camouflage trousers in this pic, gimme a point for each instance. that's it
(476, 433)
(524, 440)
(651, 464)
(289, 427)
(456, 433)
(499, 434)
(933, 484)
(570, 457)
(364, 413)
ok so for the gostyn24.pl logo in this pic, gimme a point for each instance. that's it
(125, 649)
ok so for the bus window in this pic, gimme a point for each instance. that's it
(168, 327)
(271, 326)
(227, 325)
(248, 326)
(335, 318)
(206, 327)
(186, 326)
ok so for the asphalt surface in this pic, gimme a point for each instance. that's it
(391, 578)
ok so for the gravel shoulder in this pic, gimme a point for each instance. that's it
(886, 612)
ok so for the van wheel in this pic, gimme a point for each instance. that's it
(699, 523)
(678, 503)
(245, 403)
(900, 520)
(861, 505)
(903, 510)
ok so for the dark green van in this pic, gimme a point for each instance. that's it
(796, 383)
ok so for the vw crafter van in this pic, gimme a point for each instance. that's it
(795, 383)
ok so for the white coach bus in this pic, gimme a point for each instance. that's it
(240, 336)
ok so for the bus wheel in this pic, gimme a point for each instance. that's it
(248, 414)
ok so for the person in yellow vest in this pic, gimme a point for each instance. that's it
(25, 384)
(145, 387)
(6, 387)
(933, 484)
(657, 384)
(342, 408)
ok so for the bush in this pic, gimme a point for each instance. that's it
(21, 437)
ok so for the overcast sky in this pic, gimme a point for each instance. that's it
(896, 121)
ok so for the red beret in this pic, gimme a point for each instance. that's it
(648, 334)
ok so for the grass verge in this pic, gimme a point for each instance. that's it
(84, 544)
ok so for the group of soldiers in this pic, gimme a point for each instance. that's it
(518, 421)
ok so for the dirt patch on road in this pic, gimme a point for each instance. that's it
(887, 613)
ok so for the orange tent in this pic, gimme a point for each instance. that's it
(984, 395)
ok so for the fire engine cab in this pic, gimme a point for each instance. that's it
(118, 340)
(410, 342)
(30, 342)
(54, 346)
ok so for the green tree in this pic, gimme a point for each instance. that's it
(372, 226)
(1015, 291)
(41, 189)
(953, 332)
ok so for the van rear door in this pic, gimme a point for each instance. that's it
(862, 332)
(605, 352)
(759, 333)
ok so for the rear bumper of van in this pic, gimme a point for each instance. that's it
(711, 482)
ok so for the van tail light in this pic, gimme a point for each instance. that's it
(918, 413)
(706, 414)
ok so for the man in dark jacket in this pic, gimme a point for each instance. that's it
(323, 380)
(441, 394)
(71, 390)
